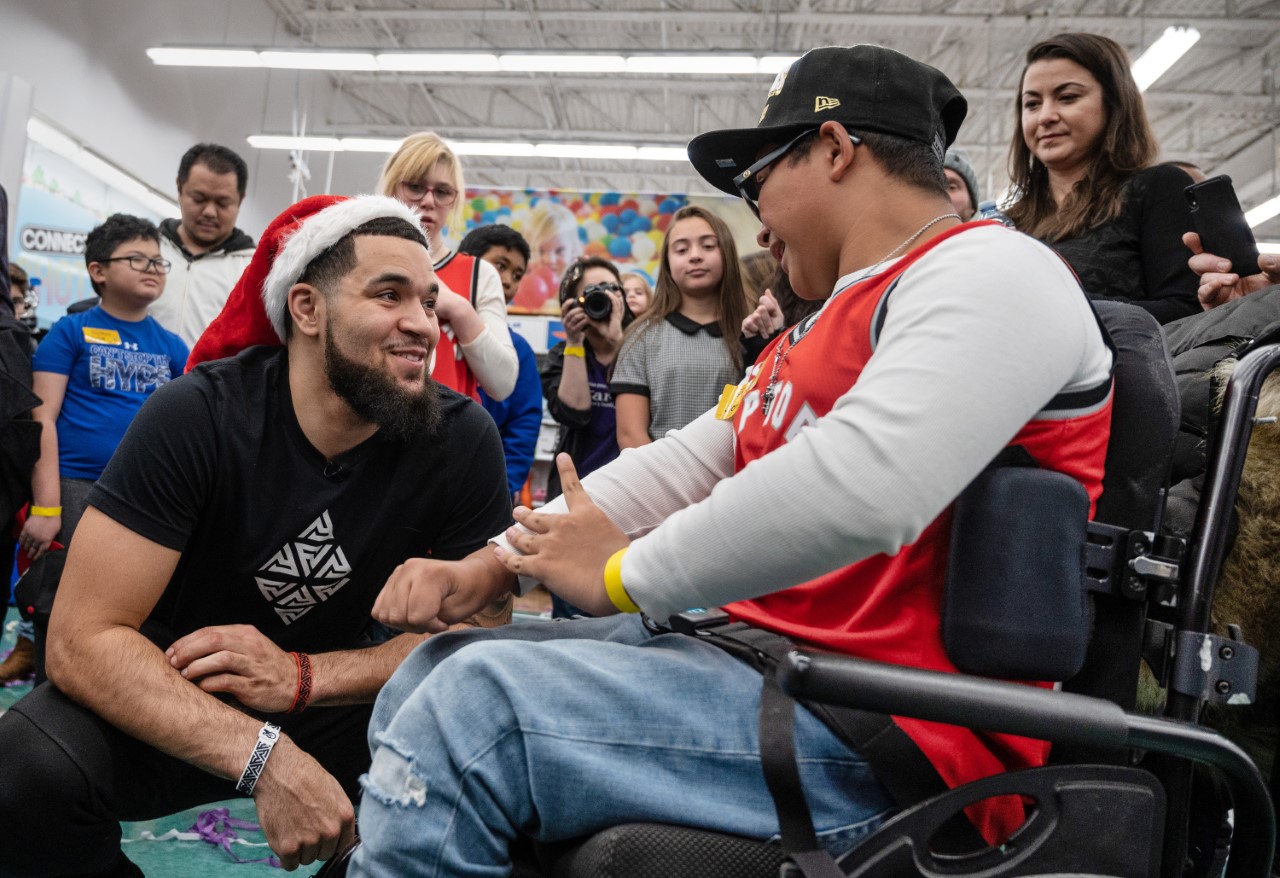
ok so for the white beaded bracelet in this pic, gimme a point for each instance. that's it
(267, 737)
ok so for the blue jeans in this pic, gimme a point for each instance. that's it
(558, 730)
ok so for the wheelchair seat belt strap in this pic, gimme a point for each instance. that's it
(782, 776)
(895, 760)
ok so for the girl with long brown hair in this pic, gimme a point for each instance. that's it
(1085, 182)
(678, 356)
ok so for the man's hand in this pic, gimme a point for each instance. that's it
(1218, 283)
(240, 661)
(766, 319)
(426, 596)
(38, 532)
(302, 809)
(567, 553)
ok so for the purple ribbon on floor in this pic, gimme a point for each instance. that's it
(218, 828)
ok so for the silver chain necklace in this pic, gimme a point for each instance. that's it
(767, 399)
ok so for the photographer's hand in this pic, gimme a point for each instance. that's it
(575, 322)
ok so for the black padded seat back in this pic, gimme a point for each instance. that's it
(1144, 424)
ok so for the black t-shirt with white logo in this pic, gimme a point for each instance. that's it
(271, 533)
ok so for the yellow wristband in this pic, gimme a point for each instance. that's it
(613, 584)
(46, 511)
(576, 350)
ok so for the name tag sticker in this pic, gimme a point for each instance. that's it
(730, 399)
(101, 336)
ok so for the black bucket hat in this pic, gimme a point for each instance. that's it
(866, 88)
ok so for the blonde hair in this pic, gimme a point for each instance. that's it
(644, 282)
(417, 155)
(734, 301)
(547, 222)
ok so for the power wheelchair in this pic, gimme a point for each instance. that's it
(1119, 792)
(1118, 795)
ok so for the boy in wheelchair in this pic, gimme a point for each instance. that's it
(814, 502)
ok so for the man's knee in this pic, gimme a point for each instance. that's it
(43, 791)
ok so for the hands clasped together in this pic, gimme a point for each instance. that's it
(303, 811)
(567, 553)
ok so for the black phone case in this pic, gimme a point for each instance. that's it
(1217, 217)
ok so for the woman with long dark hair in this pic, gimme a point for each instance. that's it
(1085, 182)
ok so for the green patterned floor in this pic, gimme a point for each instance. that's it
(169, 857)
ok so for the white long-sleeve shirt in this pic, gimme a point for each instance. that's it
(490, 355)
(979, 335)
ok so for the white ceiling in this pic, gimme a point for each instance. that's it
(1217, 107)
(1218, 100)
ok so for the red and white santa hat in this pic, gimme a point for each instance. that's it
(256, 309)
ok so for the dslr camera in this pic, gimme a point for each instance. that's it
(595, 300)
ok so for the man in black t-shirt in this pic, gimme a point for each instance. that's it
(222, 579)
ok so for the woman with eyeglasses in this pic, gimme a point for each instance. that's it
(475, 348)
(678, 357)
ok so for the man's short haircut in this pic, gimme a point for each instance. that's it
(479, 240)
(119, 228)
(327, 270)
(216, 158)
(18, 277)
(909, 161)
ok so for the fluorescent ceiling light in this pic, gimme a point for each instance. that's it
(205, 57)
(614, 151)
(319, 60)
(492, 148)
(693, 64)
(44, 134)
(367, 144)
(576, 63)
(777, 63)
(712, 63)
(663, 154)
(1263, 212)
(439, 62)
(610, 151)
(1163, 54)
(316, 144)
(1269, 246)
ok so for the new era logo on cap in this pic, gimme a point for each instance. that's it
(866, 88)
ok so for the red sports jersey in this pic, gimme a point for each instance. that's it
(459, 273)
(888, 607)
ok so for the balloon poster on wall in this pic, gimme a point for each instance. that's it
(562, 225)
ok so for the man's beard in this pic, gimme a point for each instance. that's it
(377, 398)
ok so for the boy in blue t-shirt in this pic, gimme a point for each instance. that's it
(94, 371)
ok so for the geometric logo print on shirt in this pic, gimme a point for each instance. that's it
(305, 572)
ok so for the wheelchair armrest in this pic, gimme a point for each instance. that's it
(1061, 717)
(958, 699)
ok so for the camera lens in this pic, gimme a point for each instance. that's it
(596, 303)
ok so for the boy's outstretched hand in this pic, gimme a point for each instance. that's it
(567, 553)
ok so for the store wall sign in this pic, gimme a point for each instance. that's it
(36, 239)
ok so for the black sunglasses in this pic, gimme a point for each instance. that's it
(747, 183)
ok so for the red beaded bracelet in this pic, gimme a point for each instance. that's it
(304, 682)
